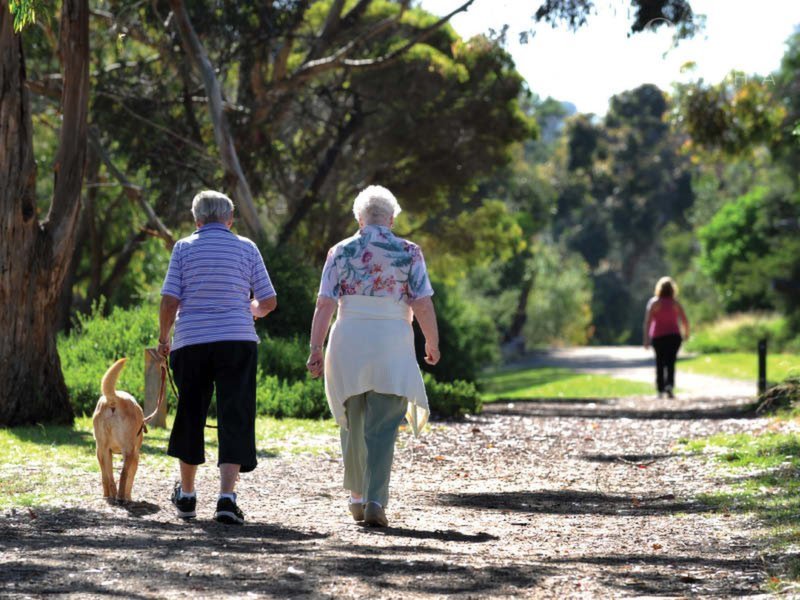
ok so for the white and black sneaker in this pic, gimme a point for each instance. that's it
(228, 512)
(184, 505)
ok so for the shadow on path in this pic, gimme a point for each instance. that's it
(575, 502)
(575, 408)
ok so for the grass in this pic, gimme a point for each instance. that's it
(767, 485)
(556, 383)
(36, 461)
(741, 365)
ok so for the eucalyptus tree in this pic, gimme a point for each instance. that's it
(36, 247)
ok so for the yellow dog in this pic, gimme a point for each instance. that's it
(119, 427)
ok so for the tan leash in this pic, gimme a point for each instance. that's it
(165, 374)
(162, 390)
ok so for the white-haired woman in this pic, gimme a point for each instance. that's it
(207, 293)
(379, 283)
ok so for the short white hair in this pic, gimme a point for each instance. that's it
(212, 207)
(375, 203)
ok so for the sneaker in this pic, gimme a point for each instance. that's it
(669, 392)
(374, 515)
(228, 512)
(357, 510)
(185, 507)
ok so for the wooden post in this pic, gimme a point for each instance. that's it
(762, 366)
(152, 386)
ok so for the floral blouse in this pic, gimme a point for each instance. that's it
(375, 262)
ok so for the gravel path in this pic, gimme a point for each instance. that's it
(568, 499)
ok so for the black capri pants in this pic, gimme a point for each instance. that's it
(230, 367)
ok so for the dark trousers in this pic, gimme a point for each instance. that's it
(666, 347)
(230, 367)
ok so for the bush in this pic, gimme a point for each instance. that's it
(300, 399)
(468, 339)
(284, 358)
(454, 399)
(96, 342)
(741, 332)
(296, 285)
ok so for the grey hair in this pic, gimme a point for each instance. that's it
(212, 207)
(375, 203)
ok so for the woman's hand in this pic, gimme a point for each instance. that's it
(261, 309)
(432, 354)
(315, 363)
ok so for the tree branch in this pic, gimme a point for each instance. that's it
(230, 160)
(312, 192)
(133, 192)
(387, 59)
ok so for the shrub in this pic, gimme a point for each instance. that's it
(452, 399)
(284, 358)
(96, 342)
(300, 399)
(741, 332)
(296, 284)
(468, 339)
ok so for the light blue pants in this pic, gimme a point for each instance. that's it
(368, 445)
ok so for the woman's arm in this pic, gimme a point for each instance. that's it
(261, 308)
(648, 318)
(166, 319)
(682, 316)
(426, 317)
(319, 330)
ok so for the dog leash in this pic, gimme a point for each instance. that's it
(162, 389)
(165, 374)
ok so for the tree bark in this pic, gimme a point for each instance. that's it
(35, 255)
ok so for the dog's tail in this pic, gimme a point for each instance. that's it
(109, 383)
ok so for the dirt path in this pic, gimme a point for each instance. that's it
(568, 499)
(637, 364)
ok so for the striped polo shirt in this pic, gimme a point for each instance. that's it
(212, 273)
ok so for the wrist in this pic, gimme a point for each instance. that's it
(315, 347)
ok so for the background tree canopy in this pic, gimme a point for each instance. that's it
(539, 225)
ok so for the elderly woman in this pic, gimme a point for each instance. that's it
(215, 286)
(662, 328)
(372, 379)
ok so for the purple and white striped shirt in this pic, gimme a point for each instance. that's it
(212, 273)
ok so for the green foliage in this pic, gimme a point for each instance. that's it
(99, 340)
(303, 399)
(559, 306)
(284, 358)
(467, 338)
(732, 241)
(452, 399)
(743, 365)
(745, 248)
(296, 284)
(24, 12)
(741, 332)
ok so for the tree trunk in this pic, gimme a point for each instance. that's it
(34, 255)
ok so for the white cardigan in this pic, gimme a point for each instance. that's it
(371, 348)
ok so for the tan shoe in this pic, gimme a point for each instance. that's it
(357, 510)
(374, 515)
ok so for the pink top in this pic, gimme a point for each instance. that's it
(664, 317)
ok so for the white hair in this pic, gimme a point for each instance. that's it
(212, 207)
(375, 204)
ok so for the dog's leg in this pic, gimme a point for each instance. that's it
(129, 466)
(107, 471)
